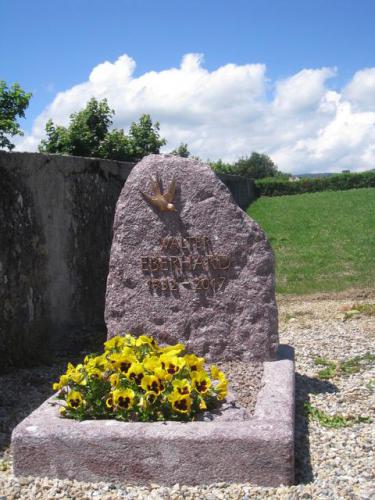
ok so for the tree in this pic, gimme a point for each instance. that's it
(182, 150)
(88, 134)
(13, 102)
(57, 139)
(220, 167)
(116, 146)
(89, 127)
(145, 138)
(85, 133)
(256, 166)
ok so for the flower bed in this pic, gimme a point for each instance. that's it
(135, 379)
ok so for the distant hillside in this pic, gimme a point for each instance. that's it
(329, 174)
(323, 174)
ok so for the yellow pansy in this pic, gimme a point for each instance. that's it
(123, 398)
(122, 360)
(136, 372)
(153, 364)
(94, 372)
(201, 381)
(144, 340)
(180, 402)
(171, 349)
(75, 399)
(61, 383)
(99, 362)
(70, 369)
(221, 389)
(76, 374)
(151, 397)
(129, 340)
(138, 380)
(171, 364)
(182, 386)
(78, 378)
(193, 362)
(114, 379)
(115, 343)
(217, 374)
(109, 402)
(151, 383)
(202, 404)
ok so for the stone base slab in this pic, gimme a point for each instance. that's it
(259, 450)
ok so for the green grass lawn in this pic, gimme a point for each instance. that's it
(323, 241)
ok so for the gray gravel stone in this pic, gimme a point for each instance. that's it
(319, 329)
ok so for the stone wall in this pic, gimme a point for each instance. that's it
(56, 215)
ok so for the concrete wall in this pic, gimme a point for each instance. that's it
(242, 189)
(56, 215)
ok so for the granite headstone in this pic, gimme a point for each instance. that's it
(188, 265)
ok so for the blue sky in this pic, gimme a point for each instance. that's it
(50, 47)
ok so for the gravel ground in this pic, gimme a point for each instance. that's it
(330, 462)
(245, 382)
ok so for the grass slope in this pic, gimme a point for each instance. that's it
(323, 241)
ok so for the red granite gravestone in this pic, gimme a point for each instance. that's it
(187, 265)
(200, 272)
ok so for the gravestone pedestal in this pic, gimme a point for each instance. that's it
(259, 450)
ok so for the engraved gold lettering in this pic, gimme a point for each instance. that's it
(191, 254)
(155, 264)
(200, 242)
(175, 263)
(145, 264)
(212, 261)
(164, 263)
(164, 285)
(205, 261)
(197, 283)
(155, 284)
(221, 283)
(192, 242)
(184, 244)
(173, 285)
(213, 283)
(198, 261)
(205, 283)
(174, 244)
(186, 261)
(185, 283)
(224, 261)
(165, 242)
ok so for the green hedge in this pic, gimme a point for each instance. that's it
(340, 182)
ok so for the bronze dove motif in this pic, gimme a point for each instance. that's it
(159, 200)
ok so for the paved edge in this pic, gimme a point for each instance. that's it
(259, 450)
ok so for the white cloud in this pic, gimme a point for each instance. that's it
(229, 112)
(361, 90)
(302, 92)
